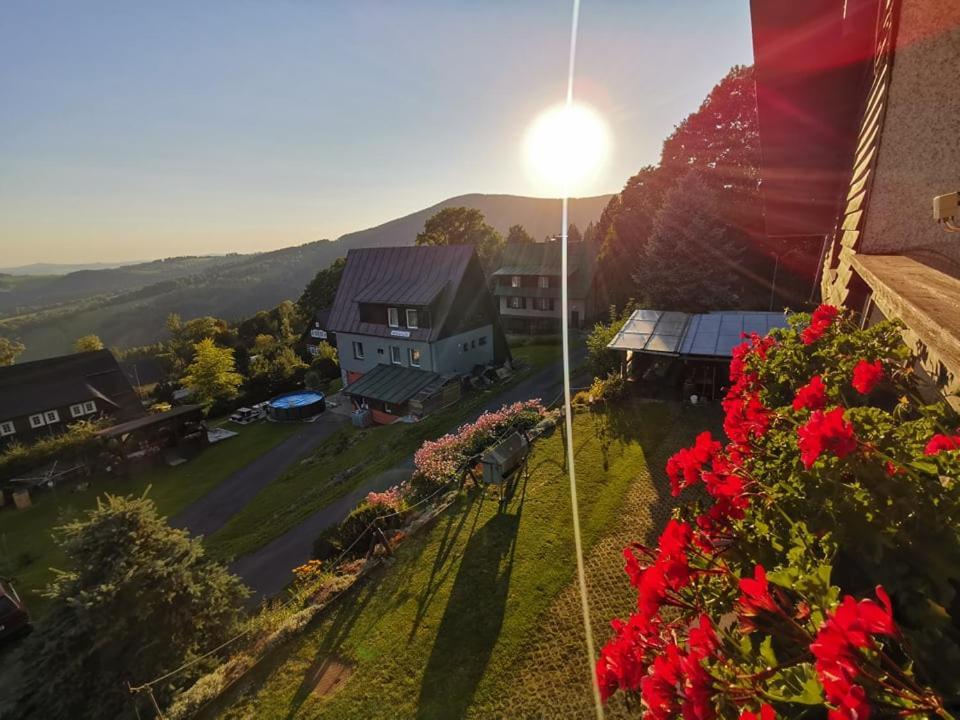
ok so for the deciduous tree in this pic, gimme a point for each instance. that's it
(10, 350)
(464, 226)
(87, 343)
(321, 291)
(519, 234)
(212, 375)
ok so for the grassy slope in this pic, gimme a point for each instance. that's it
(309, 487)
(27, 549)
(441, 630)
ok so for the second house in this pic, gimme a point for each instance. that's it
(409, 320)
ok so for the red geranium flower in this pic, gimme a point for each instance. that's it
(812, 396)
(867, 375)
(766, 713)
(820, 321)
(825, 431)
(755, 598)
(939, 443)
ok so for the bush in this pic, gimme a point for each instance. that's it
(602, 389)
(602, 361)
(75, 445)
(836, 482)
(348, 535)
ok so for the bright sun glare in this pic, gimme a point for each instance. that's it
(565, 148)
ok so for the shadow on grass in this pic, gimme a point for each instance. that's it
(472, 620)
(341, 623)
(448, 543)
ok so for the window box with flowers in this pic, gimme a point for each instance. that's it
(821, 578)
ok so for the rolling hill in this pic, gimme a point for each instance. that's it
(127, 305)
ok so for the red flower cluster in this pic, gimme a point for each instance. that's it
(939, 443)
(825, 431)
(686, 465)
(766, 713)
(866, 375)
(820, 321)
(755, 599)
(847, 631)
(812, 396)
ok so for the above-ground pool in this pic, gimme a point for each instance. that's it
(296, 405)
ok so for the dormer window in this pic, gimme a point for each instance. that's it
(413, 321)
(393, 317)
(7, 428)
(514, 281)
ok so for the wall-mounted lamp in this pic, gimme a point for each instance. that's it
(946, 211)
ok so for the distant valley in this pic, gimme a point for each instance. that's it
(127, 305)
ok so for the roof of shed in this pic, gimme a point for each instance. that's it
(411, 275)
(393, 384)
(151, 420)
(713, 334)
(33, 387)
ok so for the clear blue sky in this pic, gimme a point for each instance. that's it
(136, 130)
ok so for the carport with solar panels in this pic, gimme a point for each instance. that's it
(665, 351)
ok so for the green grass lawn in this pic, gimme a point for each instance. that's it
(310, 486)
(27, 548)
(439, 632)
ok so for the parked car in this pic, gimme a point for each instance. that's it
(14, 618)
(245, 415)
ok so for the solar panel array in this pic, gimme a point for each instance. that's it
(704, 334)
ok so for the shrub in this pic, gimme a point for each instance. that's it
(78, 442)
(823, 571)
(602, 389)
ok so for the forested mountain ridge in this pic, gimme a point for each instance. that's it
(127, 306)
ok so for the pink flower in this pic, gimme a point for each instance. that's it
(867, 375)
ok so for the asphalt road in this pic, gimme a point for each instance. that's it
(213, 510)
(266, 571)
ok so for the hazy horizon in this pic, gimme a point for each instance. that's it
(157, 131)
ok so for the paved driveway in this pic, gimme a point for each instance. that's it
(213, 510)
(267, 570)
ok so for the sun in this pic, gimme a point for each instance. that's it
(565, 148)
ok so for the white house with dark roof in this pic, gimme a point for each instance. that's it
(44, 396)
(412, 318)
(527, 286)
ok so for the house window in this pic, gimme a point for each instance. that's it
(544, 281)
(76, 410)
(318, 334)
(89, 407)
(473, 344)
(516, 303)
(514, 281)
(51, 416)
(358, 350)
(393, 317)
(6, 428)
(413, 322)
(313, 349)
(37, 420)
(543, 303)
(414, 356)
(394, 355)
(483, 340)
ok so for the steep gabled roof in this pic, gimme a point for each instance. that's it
(417, 275)
(33, 387)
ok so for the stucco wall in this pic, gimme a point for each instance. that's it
(531, 312)
(372, 355)
(450, 356)
(919, 154)
(443, 356)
